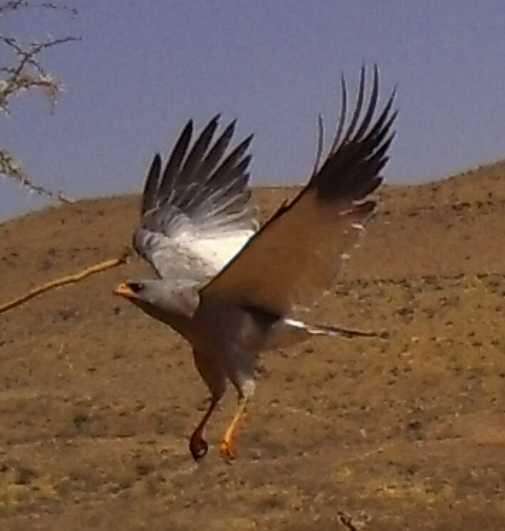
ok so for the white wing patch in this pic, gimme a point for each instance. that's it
(215, 250)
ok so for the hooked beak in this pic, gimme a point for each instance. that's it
(125, 291)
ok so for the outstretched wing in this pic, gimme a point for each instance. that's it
(197, 212)
(296, 254)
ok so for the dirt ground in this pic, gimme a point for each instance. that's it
(406, 432)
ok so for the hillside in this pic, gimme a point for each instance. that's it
(404, 432)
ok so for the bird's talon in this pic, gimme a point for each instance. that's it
(198, 448)
(227, 451)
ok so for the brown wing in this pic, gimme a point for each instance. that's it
(296, 254)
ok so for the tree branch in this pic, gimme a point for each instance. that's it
(24, 74)
(10, 168)
(62, 281)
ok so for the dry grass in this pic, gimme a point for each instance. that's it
(97, 400)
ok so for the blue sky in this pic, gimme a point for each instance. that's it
(143, 68)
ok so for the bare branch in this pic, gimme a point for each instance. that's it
(28, 72)
(11, 168)
(24, 74)
(68, 279)
(14, 5)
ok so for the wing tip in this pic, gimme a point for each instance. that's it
(359, 150)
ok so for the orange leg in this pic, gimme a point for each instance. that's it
(197, 444)
(227, 448)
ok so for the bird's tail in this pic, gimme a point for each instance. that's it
(332, 330)
(287, 332)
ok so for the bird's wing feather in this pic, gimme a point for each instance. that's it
(296, 254)
(197, 212)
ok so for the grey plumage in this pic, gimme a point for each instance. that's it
(230, 289)
(195, 201)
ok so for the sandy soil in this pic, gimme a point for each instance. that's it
(406, 432)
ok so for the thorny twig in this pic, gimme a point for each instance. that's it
(28, 73)
(13, 5)
(24, 74)
(10, 168)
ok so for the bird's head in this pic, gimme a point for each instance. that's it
(159, 297)
(150, 292)
(135, 290)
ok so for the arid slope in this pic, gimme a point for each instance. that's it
(405, 432)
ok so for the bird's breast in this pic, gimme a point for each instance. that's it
(227, 328)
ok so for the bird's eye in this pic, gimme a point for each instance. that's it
(136, 286)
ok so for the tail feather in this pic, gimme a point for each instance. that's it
(287, 332)
(331, 330)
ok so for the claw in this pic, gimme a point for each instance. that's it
(197, 444)
(198, 447)
(227, 447)
(227, 450)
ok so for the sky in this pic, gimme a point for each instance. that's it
(143, 67)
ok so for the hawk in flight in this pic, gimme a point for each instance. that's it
(231, 288)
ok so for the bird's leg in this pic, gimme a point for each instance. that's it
(227, 448)
(197, 444)
(215, 379)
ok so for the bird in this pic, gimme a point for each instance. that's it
(233, 288)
